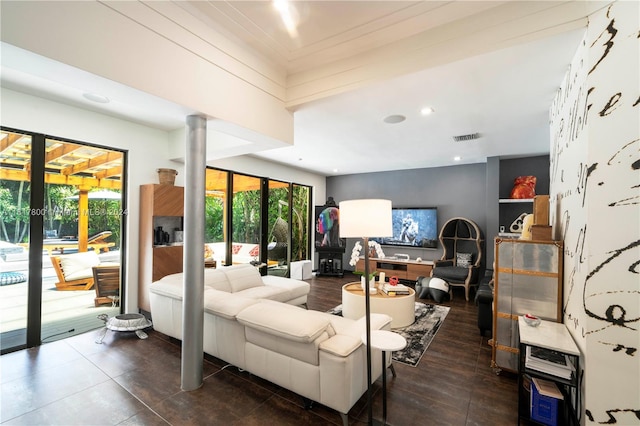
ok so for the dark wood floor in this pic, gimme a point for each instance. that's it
(127, 381)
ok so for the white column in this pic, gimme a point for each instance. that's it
(193, 285)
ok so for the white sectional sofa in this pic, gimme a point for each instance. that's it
(253, 323)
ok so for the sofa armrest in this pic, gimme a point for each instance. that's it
(378, 322)
(341, 345)
(349, 337)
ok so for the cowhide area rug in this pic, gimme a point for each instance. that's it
(419, 334)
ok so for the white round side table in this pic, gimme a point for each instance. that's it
(386, 341)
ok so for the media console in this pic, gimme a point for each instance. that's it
(408, 270)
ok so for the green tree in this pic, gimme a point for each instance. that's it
(214, 219)
(246, 217)
(14, 210)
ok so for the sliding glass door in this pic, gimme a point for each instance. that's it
(246, 219)
(216, 202)
(61, 204)
(279, 231)
(300, 220)
(250, 219)
(15, 193)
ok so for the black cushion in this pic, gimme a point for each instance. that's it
(451, 273)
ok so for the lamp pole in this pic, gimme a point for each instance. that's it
(367, 314)
(365, 219)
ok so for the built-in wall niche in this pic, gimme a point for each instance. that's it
(171, 226)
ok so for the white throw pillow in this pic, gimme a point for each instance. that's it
(79, 265)
(464, 259)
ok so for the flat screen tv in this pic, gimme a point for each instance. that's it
(413, 227)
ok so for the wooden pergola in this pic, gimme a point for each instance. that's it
(83, 166)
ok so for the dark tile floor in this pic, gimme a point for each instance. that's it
(127, 381)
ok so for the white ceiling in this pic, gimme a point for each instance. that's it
(499, 82)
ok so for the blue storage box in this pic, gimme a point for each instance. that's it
(545, 398)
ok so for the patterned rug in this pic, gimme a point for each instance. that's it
(419, 334)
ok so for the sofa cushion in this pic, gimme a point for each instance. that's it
(242, 277)
(216, 279)
(226, 305)
(294, 288)
(79, 265)
(266, 292)
(286, 321)
(451, 273)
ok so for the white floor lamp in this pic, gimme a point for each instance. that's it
(364, 219)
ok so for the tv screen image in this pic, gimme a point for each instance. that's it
(413, 227)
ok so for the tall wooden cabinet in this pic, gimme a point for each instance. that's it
(160, 205)
(528, 279)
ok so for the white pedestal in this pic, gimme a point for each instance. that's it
(301, 270)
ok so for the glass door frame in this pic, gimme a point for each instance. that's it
(37, 184)
(228, 226)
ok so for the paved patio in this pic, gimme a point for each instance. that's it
(62, 311)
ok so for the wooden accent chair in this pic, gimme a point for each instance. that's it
(107, 284)
(78, 276)
(461, 263)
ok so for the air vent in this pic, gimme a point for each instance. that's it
(469, 137)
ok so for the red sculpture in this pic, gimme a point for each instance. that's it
(524, 187)
(393, 280)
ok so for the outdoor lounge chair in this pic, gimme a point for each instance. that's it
(74, 271)
(96, 242)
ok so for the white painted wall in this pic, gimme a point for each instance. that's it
(148, 149)
(595, 133)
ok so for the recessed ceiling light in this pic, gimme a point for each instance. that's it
(335, 170)
(457, 158)
(94, 97)
(394, 119)
(426, 111)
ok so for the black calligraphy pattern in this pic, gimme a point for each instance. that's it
(595, 178)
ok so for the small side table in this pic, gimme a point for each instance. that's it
(386, 341)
